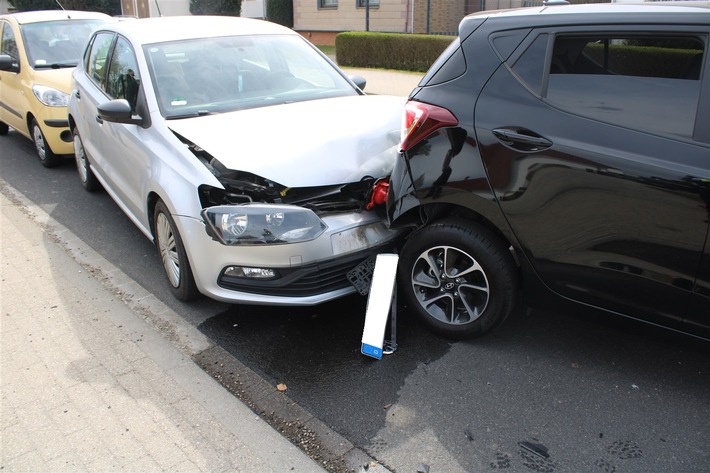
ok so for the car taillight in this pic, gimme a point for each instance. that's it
(422, 119)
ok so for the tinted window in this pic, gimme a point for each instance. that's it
(530, 67)
(96, 68)
(9, 45)
(449, 65)
(645, 83)
(123, 78)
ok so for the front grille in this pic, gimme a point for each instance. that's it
(303, 281)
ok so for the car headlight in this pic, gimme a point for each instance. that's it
(261, 224)
(50, 97)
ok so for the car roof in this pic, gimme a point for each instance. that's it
(172, 28)
(662, 12)
(653, 7)
(54, 15)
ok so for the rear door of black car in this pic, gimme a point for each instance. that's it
(588, 135)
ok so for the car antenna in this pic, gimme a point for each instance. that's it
(62, 7)
(158, 7)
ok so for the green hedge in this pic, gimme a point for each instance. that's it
(216, 7)
(404, 52)
(644, 60)
(280, 11)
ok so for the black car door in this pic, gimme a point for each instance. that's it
(589, 138)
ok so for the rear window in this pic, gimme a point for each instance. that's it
(449, 65)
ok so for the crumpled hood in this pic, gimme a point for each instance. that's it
(304, 144)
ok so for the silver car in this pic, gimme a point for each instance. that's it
(254, 164)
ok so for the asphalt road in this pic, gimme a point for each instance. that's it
(547, 392)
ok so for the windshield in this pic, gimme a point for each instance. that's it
(214, 75)
(52, 44)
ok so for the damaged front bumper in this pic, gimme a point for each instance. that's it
(277, 272)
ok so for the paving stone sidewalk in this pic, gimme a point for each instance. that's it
(89, 386)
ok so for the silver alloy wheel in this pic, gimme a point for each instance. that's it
(82, 165)
(168, 249)
(39, 142)
(450, 285)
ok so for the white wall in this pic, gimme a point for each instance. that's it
(169, 7)
(253, 9)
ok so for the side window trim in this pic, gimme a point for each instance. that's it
(701, 133)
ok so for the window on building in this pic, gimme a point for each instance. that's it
(327, 3)
(363, 3)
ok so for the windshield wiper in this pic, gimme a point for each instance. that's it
(199, 113)
(56, 65)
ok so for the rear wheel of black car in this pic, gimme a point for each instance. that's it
(173, 255)
(86, 176)
(458, 278)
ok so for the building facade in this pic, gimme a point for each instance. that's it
(320, 20)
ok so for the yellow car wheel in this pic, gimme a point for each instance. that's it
(46, 155)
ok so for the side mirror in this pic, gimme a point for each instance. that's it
(360, 82)
(118, 111)
(7, 64)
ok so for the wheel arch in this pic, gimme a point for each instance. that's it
(426, 214)
(151, 201)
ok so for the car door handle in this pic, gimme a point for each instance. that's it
(521, 139)
(76, 93)
(99, 119)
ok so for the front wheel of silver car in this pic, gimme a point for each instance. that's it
(173, 255)
(458, 278)
(86, 175)
(44, 152)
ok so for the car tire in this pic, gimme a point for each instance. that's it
(475, 294)
(173, 256)
(46, 155)
(4, 128)
(86, 175)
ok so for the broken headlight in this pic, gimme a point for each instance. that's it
(261, 224)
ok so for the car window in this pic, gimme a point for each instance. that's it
(8, 44)
(647, 83)
(52, 44)
(123, 77)
(212, 75)
(96, 68)
(530, 67)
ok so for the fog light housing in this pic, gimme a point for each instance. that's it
(250, 273)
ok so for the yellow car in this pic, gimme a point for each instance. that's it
(38, 51)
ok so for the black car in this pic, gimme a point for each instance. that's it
(563, 150)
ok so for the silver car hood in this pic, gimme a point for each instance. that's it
(304, 144)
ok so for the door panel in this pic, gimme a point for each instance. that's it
(608, 215)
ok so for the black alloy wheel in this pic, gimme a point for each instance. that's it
(458, 277)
